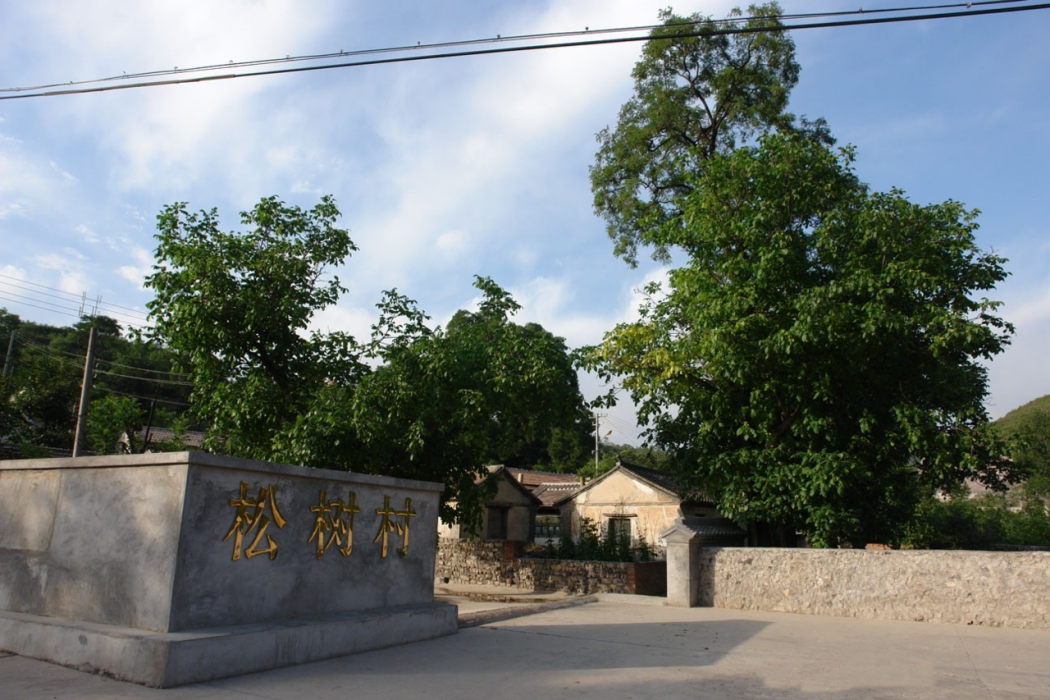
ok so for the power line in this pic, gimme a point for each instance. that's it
(143, 398)
(536, 47)
(145, 379)
(44, 286)
(34, 291)
(129, 317)
(144, 316)
(54, 352)
(488, 40)
(43, 308)
(39, 301)
(143, 369)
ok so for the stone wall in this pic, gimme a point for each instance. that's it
(499, 563)
(997, 589)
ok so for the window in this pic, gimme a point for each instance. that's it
(619, 528)
(496, 523)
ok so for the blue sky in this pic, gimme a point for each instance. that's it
(447, 169)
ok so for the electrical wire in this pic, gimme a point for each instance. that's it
(532, 47)
(39, 301)
(25, 303)
(18, 282)
(34, 291)
(143, 369)
(498, 39)
(171, 382)
(44, 286)
(54, 352)
(136, 396)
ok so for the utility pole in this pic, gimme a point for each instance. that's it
(10, 350)
(85, 393)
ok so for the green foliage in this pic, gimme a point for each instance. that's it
(1016, 420)
(1028, 429)
(983, 523)
(108, 418)
(590, 544)
(444, 402)
(819, 357)
(436, 404)
(234, 307)
(43, 389)
(612, 453)
(694, 98)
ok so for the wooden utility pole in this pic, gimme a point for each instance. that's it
(85, 394)
(10, 350)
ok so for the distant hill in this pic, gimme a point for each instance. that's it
(1013, 421)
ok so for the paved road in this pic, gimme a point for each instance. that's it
(614, 650)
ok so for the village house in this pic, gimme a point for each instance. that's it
(637, 501)
(509, 515)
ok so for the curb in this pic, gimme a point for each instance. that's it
(485, 617)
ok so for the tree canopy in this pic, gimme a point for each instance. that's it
(42, 391)
(694, 97)
(819, 354)
(413, 401)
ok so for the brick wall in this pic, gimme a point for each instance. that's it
(492, 562)
(998, 589)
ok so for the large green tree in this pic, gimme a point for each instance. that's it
(820, 354)
(235, 307)
(414, 401)
(43, 385)
(694, 97)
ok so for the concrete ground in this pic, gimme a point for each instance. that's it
(624, 650)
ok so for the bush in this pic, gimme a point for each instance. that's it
(590, 545)
(982, 523)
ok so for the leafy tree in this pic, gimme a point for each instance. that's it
(444, 402)
(43, 388)
(109, 418)
(439, 404)
(234, 307)
(819, 355)
(1032, 454)
(694, 97)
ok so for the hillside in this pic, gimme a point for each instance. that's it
(1015, 419)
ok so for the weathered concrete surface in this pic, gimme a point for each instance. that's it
(185, 542)
(162, 660)
(995, 589)
(615, 652)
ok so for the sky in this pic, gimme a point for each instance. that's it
(458, 167)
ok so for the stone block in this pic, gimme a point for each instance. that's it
(185, 542)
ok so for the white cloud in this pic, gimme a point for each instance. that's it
(71, 275)
(136, 274)
(89, 236)
(355, 321)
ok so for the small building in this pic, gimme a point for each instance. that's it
(155, 440)
(631, 499)
(509, 515)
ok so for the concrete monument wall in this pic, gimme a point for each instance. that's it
(136, 551)
(997, 589)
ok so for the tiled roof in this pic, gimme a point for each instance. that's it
(549, 494)
(664, 480)
(532, 479)
(191, 438)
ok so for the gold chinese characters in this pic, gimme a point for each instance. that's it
(337, 519)
(386, 526)
(332, 523)
(245, 522)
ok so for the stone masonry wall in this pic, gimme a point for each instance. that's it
(493, 562)
(997, 589)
